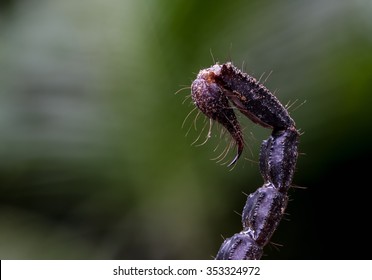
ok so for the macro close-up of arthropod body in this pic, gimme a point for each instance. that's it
(218, 92)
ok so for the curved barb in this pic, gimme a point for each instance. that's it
(217, 92)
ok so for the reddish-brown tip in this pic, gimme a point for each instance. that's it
(213, 102)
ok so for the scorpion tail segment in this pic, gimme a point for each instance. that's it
(262, 213)
(240, 246)
(282, 158)
(278, 158)
(213, 102)
(252, 98)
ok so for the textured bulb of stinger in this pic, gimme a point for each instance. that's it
(212, 101)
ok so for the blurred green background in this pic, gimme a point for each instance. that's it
(94, 163)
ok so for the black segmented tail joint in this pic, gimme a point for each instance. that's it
(216, 91)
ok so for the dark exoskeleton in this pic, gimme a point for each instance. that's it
(212, 92)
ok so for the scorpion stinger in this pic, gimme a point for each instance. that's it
(212, 100)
